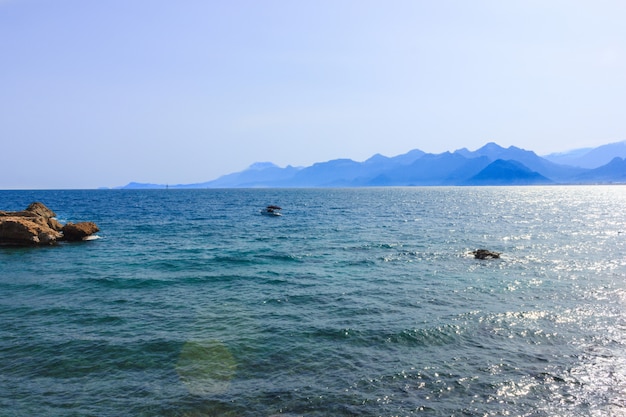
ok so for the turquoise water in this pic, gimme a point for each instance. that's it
(356, 302)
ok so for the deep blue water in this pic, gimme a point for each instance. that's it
(356, 302)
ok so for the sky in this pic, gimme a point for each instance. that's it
(102, 93)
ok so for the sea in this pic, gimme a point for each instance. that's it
(354, 302)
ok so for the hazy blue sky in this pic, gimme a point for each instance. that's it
(100, 93)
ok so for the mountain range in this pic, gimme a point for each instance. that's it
(489, 165)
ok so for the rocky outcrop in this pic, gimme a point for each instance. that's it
(38, 209)
(20, 230)
(485, 254)
(37, 225)
(79, 231)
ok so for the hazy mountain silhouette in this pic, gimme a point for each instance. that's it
(501, 172)
(589, 157)
(613, 172)
(260, 174)
(430, 169)
(556, 172)
(488, 165)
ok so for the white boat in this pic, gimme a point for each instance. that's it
(272, 211)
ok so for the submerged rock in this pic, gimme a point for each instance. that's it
(37, 226)
(485, 254)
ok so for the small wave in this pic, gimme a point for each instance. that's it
(238, 260)
(355, 262)
(422, 337)
(108, 320)
(285, 257)
(410, 256)
(127, 283)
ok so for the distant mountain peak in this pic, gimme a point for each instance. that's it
(377, 157)
(507, 172)
(258, 166)
(490, 146)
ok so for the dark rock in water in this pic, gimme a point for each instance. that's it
(485, 254)
(37, 226)
(79, 231)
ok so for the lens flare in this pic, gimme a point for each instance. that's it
(206, 367)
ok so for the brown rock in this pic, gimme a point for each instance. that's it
(22, 213)
(37, 226)
(54, 224)
(26, 231)
(79, 231)
(40, 210)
